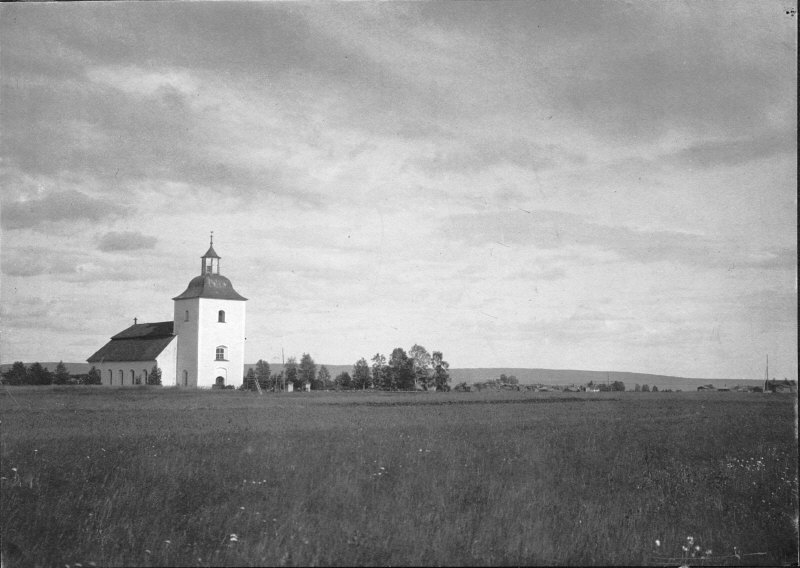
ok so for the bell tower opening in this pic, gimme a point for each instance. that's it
(210, 260)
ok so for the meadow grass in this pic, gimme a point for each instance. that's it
(154, 477)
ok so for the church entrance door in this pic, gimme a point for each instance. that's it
(220, 383)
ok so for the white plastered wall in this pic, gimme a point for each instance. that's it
(213, 334)
(187, 332)
(199, 337)
(166, 361)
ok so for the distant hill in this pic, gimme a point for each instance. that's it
(524, 376)
(569, 377)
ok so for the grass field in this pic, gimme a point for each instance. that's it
(152, 477)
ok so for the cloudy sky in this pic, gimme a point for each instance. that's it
(574, 185)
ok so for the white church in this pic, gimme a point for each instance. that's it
(202, 347)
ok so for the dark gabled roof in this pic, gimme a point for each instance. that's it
(131, 349)
(210, 286)
(140, 342)
(147, 330)
(211, 253)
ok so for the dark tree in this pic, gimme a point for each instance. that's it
(154, 377)
(401, 370)
(290, 371)
(38, 375)
(343, 381)
(379, 371)
(324, 378)
(307, 371)
(93, 378)
(262, 374)
(618, 386)
(441, 372)
(61, 375)
(421, 361)
(645, 388)
(361, 378)
(250, 379)
(17, 374)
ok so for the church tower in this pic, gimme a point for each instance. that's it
(209, 322)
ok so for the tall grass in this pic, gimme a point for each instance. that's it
(154, 477)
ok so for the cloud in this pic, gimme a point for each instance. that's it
(734, 152)
(56, 206)
(124, 241)
(35, 261)
(28, 311)
(557, 230)
(477, 155)
(690, 70)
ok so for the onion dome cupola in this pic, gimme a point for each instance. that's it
(210, 283)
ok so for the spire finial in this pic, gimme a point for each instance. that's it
(135, 321)
(212, 238)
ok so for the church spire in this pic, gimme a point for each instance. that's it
(210, 260)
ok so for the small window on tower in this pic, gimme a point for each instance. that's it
(221, 316)
(186, 316)
(185, 378)
(221, 353)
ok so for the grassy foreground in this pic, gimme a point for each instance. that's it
(152, 477)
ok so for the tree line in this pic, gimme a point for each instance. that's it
(401, 371)
(36, 374)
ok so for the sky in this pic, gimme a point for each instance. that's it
(567, 185)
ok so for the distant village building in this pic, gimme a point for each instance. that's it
(202, 347)
(780, 386)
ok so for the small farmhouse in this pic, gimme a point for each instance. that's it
(202, 347)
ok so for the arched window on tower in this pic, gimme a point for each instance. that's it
(110, 377)
(221, 353)
(186, 316)
(185, 378)
(121, 377)
(221, 316)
